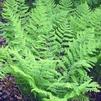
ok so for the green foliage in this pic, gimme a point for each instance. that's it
(52, 47)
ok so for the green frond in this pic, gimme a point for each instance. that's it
(66, 5)
(84, 46)
(51, 47)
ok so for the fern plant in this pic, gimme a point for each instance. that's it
(51, 47)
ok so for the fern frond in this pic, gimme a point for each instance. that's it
(51, 47)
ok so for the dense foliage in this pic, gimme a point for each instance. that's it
(9, 90)
(51, 47)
